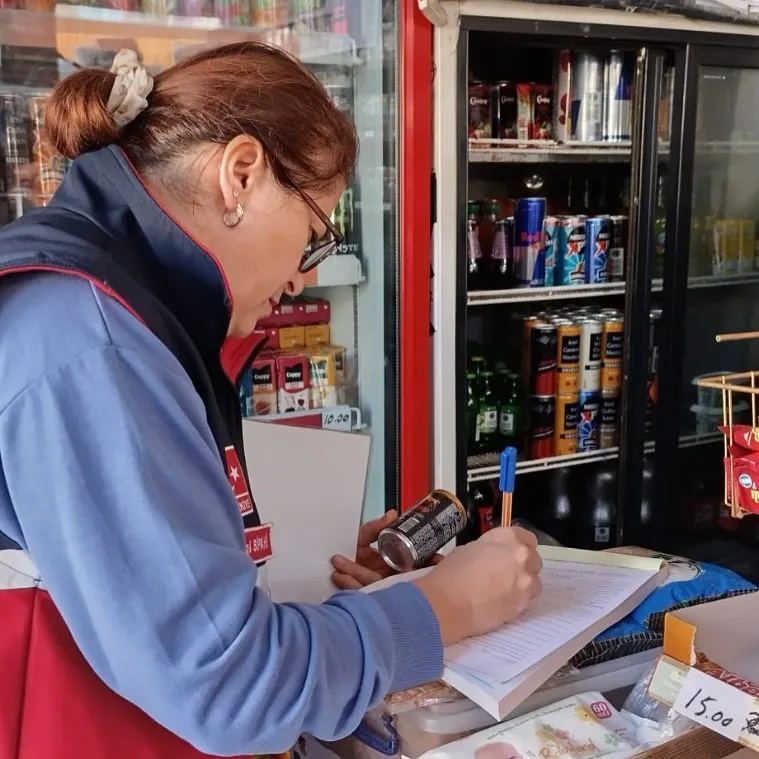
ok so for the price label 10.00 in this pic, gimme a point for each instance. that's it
(714, 704)
(338, 418)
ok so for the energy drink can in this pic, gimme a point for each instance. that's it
(608, 429)
(542, 372)
(587, 97)
(550, 228)
(588, 421)
(422, 531)
(618, 84)
(612, 346)
(590, 355)
(567, 415)
(597, 239)
(529, 217)
(567, 356)
(541, 426)
(571, 251)
(616, 258)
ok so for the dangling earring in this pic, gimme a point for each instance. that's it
(232, 219)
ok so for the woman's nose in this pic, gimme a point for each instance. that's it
(295, 285)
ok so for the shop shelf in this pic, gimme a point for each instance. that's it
(340, 418)
(540, 294)
(547, 151)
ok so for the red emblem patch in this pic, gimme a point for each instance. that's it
(237, 481)
(258, 543)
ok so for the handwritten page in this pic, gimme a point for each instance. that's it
(575, 596)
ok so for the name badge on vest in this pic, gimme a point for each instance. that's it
(257, 539)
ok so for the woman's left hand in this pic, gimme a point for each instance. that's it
(369, 566)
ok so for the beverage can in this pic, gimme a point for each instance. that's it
(528, 322)
(612, 347)
(272, 14)
(597, 239)
(541, 426)
(480, 111)
(618, 83)
(550, 228)
(608, 432)
(590, 355)
(422, 531)
(567, 356)
(571, 251)
(587, 97)
(616, 258)
(524, 111)
(541, 112)
(505, 105)
(561, 96)
(567, 415)
(588, 421)
(542, 376)
(529, 263)
(309, 17)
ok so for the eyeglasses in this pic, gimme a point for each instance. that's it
(319, 248)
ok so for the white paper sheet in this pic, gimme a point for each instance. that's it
(309, 484)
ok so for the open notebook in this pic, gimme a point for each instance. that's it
(584, 592)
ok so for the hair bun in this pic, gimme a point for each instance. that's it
(76, 114)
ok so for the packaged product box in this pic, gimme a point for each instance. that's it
(293, 386)
(338, 354)
(292, 337)
(263, 386)
(317, 334)
(316, 311)
(323, 378)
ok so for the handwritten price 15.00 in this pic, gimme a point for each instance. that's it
(700, 707)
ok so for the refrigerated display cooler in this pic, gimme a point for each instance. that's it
(596, 209)
(341, 336)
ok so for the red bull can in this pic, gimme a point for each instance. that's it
(570, 261)
(618, 84)
(597, 241)
(588, 421)
(529, 249)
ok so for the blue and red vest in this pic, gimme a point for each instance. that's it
(104, 225)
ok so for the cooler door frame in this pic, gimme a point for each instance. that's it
(453, 20)
(745, 54)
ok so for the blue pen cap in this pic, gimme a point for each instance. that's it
(508, 469)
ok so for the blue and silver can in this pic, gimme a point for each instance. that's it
(587, 93)
(597, 241)
(618, 84)
(550, 244)
(588, 421)
(529, 263)
(570, 250)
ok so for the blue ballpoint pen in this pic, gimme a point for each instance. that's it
(506, 483)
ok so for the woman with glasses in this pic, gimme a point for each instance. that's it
(132, 625)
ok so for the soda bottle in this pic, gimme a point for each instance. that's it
(501, 257)
(488, 414)
(511, 411)
(474, 263)
(472, 415)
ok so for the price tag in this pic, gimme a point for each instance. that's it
(338, 418)
(714, 704)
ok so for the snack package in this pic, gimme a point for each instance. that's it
(744, 435)
(586, 726)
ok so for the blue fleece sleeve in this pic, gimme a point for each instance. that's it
(123, 505)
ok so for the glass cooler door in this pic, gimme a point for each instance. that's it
(341, 332)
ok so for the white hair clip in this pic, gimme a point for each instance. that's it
(129, 94)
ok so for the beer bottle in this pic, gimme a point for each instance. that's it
(510, 412)
(474, 263)
(488, 415)
(472, 415)
(477, 366)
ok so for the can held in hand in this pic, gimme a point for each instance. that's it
(618, 84)
(616, 258)
(567, 415)
(608, 429)
(612, 348)
(529, 217)
(571, 251)
(567, 356)
(587, 97)
(550, 230)
(588, 421)
(541, 426)
(542, 371)
(590, 355)
(597, 239)
(422, 531)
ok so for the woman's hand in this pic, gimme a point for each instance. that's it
(369, 566)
